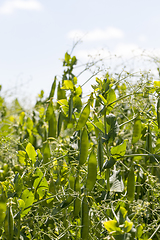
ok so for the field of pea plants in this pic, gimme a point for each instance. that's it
(82, 168)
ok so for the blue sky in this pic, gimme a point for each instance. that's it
(35, 34)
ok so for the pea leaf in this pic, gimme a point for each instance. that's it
(31, 152)
(119, 150)
(112, 226)
(67, 85)
(28, 198)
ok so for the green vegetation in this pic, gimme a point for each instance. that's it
(75, 169)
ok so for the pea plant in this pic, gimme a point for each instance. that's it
(82, 169)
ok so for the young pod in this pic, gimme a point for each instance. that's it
(92, 171)
(158, 112)
(84, 144)
(85, 219)
(131, 184)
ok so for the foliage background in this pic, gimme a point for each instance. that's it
(82, 168)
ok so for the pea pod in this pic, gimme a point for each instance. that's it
(100, 153)
(59, 125)
(84, 144)
(149, 140)
(131, 185)
(92, 171)
(136, 130)
(138, 187)
(9, 223)
(70, 108)
(148, 145)
(85, 219)
(52, 126)
(158, 112)
(77, 202)
(53, 88)
(49, 111)
(83, 117)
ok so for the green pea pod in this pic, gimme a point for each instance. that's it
(100, 153)
(83, 117)
(92, 171)
(131, 185)
(96, 130)
(85, 219)
(148, 145)
(59, 125)
(136, 130)
(84, 144)
(138, 187)
(109, 163)
(77, 202)
(158, 112)
(70, 108)
(9, 224)
(52, 126)
(53, 88)
(149, 140)
(49, 111)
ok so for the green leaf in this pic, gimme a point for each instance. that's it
(40, 183)
(21, 204)
(111, 97)
(119, 150)
(84, 145)
(103, 99)
(139, 231)
(78, 91)
(18, 184)
(64, 104)
(21, 118)
(31, 152)
(83, 117)
(29, 123)
(77, 103)
(112, 226)
(28, 198)
(22, 157)
(67, 58)
(67, 85)
(100, 126)
(128, 226)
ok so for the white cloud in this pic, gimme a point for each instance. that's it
(120, 50)
(97, 34)
(10, 6)
(127, 50)
(142, 38)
